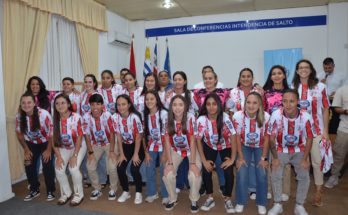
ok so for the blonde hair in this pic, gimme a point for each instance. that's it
(260, 114)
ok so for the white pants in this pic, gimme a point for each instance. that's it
(76, 175)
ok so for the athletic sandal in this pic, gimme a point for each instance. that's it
(76, 200)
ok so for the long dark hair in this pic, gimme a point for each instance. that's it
(312, 79)
(157, 87)
(186, 91)
(240, 74)
(159, 106)
(131, 74)
(23, 116)
(269, 83)
(171, 117)
(56, 119)
(94, 79)
(44, 102)
(220, 112)
(131, 109)
(109, 73)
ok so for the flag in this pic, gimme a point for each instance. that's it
(132, 68)
(167, 62)
(147, 62)
(155, 65)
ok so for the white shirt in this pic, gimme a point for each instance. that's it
(200, 85)
(333, 81)
(341, 100)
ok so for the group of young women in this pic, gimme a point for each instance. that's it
(213, 128)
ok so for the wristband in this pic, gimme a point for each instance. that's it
(90, 152)
(75, 155)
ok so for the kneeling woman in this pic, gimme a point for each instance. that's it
(215, 136)
(68, 148)
(252, 141)
(180, 143)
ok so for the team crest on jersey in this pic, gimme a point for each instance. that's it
(290, 140)
(86, 108)
(65, 139)
(127, 136)
(252, 138)
(304, 103)
(111, 107)
(34, 134)
(214, 138)
(155, 134)
(99, 136)
(180, 141)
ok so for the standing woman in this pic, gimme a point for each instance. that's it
(150, 83)
(180, 143)
(68, 90)
(132, 89)
(129, 130)
(215, 131)
(34, 132)
(68, 148)
(252, 141)
(90, 87)
(42, 96)
(314, 100)
(109, 90)
(165, 84)
(155, 123)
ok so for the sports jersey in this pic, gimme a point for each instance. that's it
(85, 107)
(70, 130)
(193, 107)
(250, 133)
(128, 127)
(98, 129)
(180, 142)
(273, 100)
(313, 101)
(162, 95)
(236, 99)
(74, 99)
(135, 98)
(110, 95)
(208, 131)
(201, 94)
(155, 138)
(39, 136)
(290, 134)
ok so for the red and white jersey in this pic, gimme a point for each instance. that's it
(250, 133)
(236, 100)
(290, 134)
(135, 97)
(208, 131)
(157, 131)
(162, 95)
(314, 101)
(110, 96)
(70, 130)
(99, 129)
(193, 107)
(128, 127)
(43, 134)
(74, 99)
(85, 107)
(181, 142)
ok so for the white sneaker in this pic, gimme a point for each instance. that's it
(124, 196)
(300, 210)
(208, 204)
(177, 190)
(269, 195)
(261, 209)
(165, 201)
(239, 208)
(229, 207)
(150, 199)
(333, 181)
(285, 197)
(253, 196)
(138, 198)
(276, 209)
(112, 195)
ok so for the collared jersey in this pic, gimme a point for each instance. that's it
(157, 130)
(135, 97)
(128, 127)
(201, 94)
(85, 107)
(236, 99)
(193, 107)
(74, 99)
(98, 129)
(70, 130)
(110, 96)
(208, 132)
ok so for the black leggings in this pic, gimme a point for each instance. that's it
(47, 168)
(210, 154)
(128, 150)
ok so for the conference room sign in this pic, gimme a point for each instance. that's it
(288, 22)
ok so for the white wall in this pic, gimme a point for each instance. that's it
(229, 52)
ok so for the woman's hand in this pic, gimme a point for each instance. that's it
(28, 155)
(72, 161)
(147, 159)
(208, 165)
(240, 163)
(59, 163)
(46, 155)
(227, 163)
(136, 160)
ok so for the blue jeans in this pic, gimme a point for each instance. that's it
(219, 171)
(101, 169)
(142, 172)
(252, 175)
(182, 175)
(151, 176)
(243, 178)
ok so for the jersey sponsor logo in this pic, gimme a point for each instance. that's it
(229, 124)
(65, 139)
(34, 134)
(155, 134)
(290, 140)
(252, 138)
(214, 138)
(99, 136)
(304, 103)
(127, 136)
(180, 141)
(111, 107)
(139, 127)
(86, 108)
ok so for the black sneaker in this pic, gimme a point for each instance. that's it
(170, 206)
(31, 195)
(95, 195)
(50, 196)
(194, 208)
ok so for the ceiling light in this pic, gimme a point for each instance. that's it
(167, 4)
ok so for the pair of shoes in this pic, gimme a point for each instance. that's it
(208, 204)
(229, 207)
(95, 194)
(31, 195)
(285, 197)
(50, 196)
(300, 210)
(252, 195)
(194, 207)
(77, 199)
(63, 199)
(261, 209)
(138, 198)
(124, 196)
(151, 199)
(317, 198)
(170, 206)
(333, 181)
(276, 209)
(239, 208)
(112, 195)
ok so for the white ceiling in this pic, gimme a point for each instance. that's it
(152, 9)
